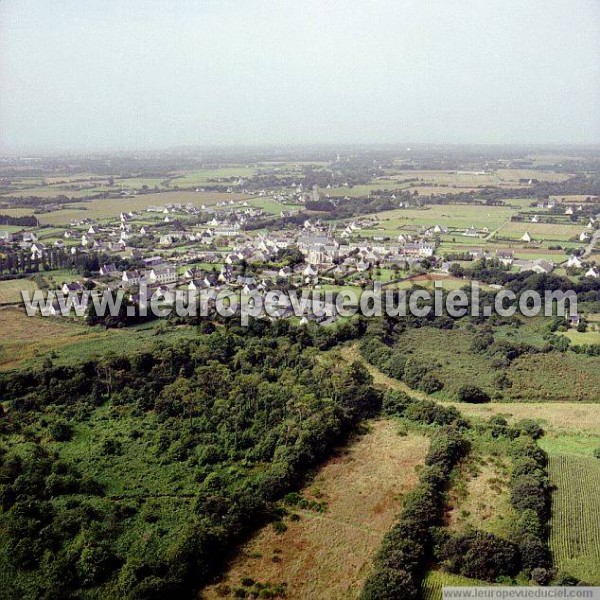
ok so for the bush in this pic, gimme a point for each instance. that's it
(472, 394)
(530, 428)
(396, 402)
(481, 555)
(279, 527)
(541, 576)
(534, 554)
(528, 492)
(529, 525)
(112, 447)
(60, 431)
(390, 584)
(446, 449)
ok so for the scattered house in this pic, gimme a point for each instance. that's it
(535, 219)
(542, 266)
(248, 288)
(109, 270)
(87, 240)
(471, 232)
(153, 261)
(163, 294)
(583, 236)
(167, 240)
(59, 244)
(569, 210)
(162, 274)
(30, 236)
(226, 274)
(574, 261)
(593, 272)
(37, 251)
(420, 248)
(72, 288)
(506, 257)
(51, 311)
(234, 258)
(196, 284)
(310, 271)
(537, 266)
(526, 237)
(131, 278)
(6, 236)
(573, 320)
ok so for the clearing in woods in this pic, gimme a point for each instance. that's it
(328, 554)
(480, 497)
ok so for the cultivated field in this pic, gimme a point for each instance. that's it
(459, 216)
(431, 589)
(327, 554)
(110, 208)
(202, 177)
(575, 524)
(541, 231)
(475, 179)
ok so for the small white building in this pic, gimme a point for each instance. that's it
(526, 237)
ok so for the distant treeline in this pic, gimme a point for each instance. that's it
(26, 221)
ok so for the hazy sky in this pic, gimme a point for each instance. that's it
(104, 74)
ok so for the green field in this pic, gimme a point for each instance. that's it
(541, 231)
(101, 209)
(10, 291)
(26, 341)
(455, 216)
(534, 377)
(432, 586)
(202, 177)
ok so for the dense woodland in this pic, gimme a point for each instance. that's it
(244, 416)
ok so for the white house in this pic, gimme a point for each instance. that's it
(71, 288)
(165, 274)
(131, 278)
(37, 251)
(583, 236)
(109, 270)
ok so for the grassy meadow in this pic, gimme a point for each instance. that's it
(327, 552)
